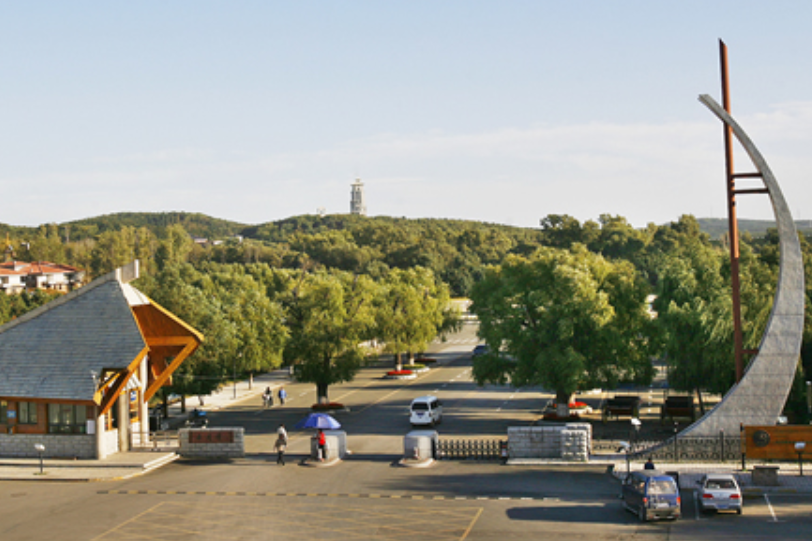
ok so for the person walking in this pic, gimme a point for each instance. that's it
(282, 433)
(280, 446)
(283, 394)
(649, 464)
(267, 398)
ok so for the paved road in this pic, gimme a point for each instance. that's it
(367, 497)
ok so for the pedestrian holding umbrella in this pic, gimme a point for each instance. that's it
(319, 421)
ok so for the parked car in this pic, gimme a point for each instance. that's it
(426, 410)
(719, 492)
(652, 494)
(479, 349)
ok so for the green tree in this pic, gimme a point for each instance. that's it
(695, 314)
(174, 247)
(328, 316)
(412, 309)
(561, 319)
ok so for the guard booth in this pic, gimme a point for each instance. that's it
(421, 445)
(335, 445)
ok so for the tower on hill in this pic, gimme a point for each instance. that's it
(357, 205)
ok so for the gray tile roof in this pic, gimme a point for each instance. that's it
(51, 352)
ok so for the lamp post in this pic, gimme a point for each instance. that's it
(40, 449)
(635, 431)
(799, 448)
(809, 400)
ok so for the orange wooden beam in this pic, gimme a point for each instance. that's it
(120, 383)
(190, 344)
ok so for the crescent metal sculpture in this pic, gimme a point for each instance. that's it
(760, 396)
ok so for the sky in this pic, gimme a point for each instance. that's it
(495, 111)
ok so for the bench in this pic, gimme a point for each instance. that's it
(677, 406)
(621, 405)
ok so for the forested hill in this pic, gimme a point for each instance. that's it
(457, 251)
(196, 224)
(717, 227)
(203, 226)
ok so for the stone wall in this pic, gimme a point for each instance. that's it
(56, 445)
(212, 443)
(571, 441)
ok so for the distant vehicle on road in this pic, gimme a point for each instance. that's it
(652, 494)
(480, 349)
(719, 492)
(426, 410)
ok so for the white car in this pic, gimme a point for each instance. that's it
(719, 492)
(426, 410)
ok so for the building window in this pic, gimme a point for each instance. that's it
(27, 413)
(67, 419)
(3, 411)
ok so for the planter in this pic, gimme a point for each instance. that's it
(400, 374)
(416, 368)
(332, 406)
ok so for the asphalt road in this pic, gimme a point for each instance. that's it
(367, 497)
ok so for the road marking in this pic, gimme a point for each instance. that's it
(134, 519)
(231, 494)
(471, 526)
(770, 507)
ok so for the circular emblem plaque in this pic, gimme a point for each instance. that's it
(761, 438)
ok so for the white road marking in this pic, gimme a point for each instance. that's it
(770, 507)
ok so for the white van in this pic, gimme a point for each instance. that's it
(426, 410)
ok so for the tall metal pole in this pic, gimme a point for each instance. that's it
(733, 224)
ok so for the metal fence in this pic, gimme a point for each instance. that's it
(470, 449)
(719, 448)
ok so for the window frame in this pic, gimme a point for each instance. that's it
(70, 419)
(27, 407)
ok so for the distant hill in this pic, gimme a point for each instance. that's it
(717, 227)
(198, 225)
(201, 225)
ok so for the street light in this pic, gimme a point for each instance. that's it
(40, 448)
(635, 430)
(799, 448)
(809, 400)
(624, 446)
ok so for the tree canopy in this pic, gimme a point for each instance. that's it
(562, 319)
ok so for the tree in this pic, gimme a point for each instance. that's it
(561, 319)
(174, 247)
(412, 308)
(695, 313)
(328, 316)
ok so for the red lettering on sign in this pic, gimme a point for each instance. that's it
(211, 436)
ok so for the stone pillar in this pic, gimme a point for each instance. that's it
(101, 452)
(124, 421)
(143, 407)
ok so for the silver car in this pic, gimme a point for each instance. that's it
(719, 492)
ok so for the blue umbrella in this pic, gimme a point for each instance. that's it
(318, 420)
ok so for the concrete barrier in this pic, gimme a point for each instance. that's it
(570, 441)
(212, 443)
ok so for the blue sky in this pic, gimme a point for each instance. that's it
(500, 111)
